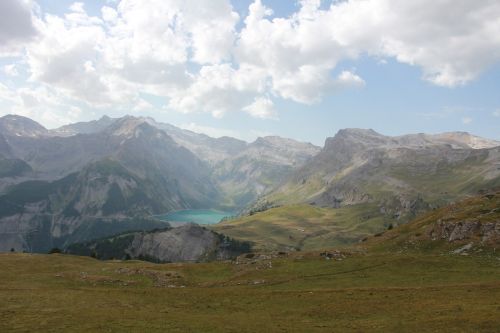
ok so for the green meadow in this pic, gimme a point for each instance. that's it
(299, 292)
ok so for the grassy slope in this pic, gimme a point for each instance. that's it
(438, 186)
(305, 227)
(279, 227)
(374, 288)
(414, 236)
(375, 293)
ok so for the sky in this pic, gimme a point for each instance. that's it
(243, 68)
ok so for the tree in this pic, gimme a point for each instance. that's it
(55, 250)
(12, 250)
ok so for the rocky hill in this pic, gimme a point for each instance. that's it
(403, 176)
(468, 226)
(185, 243)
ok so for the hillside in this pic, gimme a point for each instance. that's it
(468, 226)
(189, 242)
(103, 199)
(305, 227)
(403, 175)
(398, 177)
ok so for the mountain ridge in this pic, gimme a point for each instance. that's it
(117, 168)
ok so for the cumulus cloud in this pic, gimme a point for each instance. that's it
(452, 41)
(40, 103)
(200, 56)
(63, 56)
(16, 25)
(219, 89)
(10, 70)
(262, 107)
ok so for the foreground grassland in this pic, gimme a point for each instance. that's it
(295, 293)
(305, 227)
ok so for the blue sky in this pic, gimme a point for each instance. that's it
(304, 71)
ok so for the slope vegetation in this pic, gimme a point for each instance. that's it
(468, 226)
(306, 293)
(305, 227)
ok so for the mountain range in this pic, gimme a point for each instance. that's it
(99, 178)
(121, 172)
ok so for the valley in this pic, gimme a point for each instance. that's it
(170, 230)
(92, 180)
(323, 166)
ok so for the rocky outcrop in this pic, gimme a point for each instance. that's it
(465, 230)
(185, 243)
(189, 242)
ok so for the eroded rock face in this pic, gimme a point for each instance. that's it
(468, 229)
(190, 242)
(185, 243)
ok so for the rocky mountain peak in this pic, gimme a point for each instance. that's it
(352, 138)
(14, 125)
(466, 139)
(368, 138)
(89, 127)
(130, 126)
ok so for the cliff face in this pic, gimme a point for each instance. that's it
(466, 230)
(185, 243)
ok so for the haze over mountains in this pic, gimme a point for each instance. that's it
(99, 178)
(116, 169)
(368, 182)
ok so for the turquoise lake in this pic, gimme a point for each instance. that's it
(198, 216)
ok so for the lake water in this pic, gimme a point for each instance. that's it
(199, 216)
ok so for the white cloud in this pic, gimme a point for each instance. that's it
(64, 53)
(219, 89)
(261, 107)
(109, 14)
(142, 105)
(349, 79)
(496, 113)
(16, 26)
(452, 41)
(40, 103)
(466, 120)
(7, 95)
(10, 70)
(196, 56)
